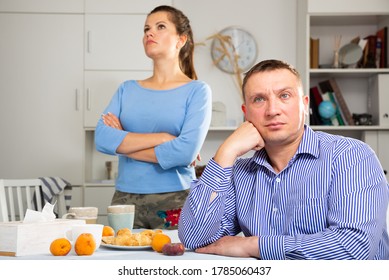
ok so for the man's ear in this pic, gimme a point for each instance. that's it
(244, 110)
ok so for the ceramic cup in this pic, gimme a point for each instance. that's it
(95, 229)
(89, 214)
(121, 216)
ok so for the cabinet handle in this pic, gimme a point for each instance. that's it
(88, 97)
(89, 39)
(77, 100)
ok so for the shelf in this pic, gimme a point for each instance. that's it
(348, 127)
(100, 183)
(212, 128)
(348, 72)
(344, 20)
(222, 128)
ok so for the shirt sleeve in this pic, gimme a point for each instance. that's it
(183, 150)
(209, 211)
(108, 139)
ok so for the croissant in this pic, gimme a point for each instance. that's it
(125, 237)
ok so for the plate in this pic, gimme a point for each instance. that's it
(118, 247)
(350, 54)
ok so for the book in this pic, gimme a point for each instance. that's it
(378, 52)
(382, 35)
(342, 116)
(337, 109)
(314, 116)
(369, 53)
(314, 53)
(316, 95)
(331, 85)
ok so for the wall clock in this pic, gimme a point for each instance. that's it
(234, 50)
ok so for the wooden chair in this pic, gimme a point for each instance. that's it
(16, 196)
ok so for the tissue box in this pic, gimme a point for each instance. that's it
(21, 239)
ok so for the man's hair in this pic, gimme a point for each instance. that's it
(268, 65)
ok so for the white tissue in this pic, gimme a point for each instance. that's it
(46, 215)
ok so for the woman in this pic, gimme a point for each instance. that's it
(157, 126)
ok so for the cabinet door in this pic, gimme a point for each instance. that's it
(100, 86)
(383, 151)
(123, 6)
(77, 196)
(99, 197)
(378, 140)
(380, 100)
(41, 79)
(114, 42)
(42, 6)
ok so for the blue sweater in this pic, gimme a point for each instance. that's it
(184, 111)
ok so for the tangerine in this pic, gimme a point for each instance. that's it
(60, 247)
(159, 240)
(85, 244)
(108, 231)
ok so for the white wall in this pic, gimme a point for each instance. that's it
(273, 23)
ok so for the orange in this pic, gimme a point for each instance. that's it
(60, 247)
(85, 244)
(108, 231)
(158, 241)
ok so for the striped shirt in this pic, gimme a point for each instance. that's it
(329, 202)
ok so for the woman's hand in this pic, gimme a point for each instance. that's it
(111, 120)
(198, 158)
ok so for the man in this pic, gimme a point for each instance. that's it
(303, 194)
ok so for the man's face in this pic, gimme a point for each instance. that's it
(276, 106)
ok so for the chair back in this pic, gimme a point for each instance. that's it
(16, 196)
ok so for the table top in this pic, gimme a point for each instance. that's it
(104, 253)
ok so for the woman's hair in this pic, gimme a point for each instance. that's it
(183, 28)
(268, 65)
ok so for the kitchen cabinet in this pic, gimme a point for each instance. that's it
(42, 6)
(41, 84)
(123, 6)
(114, 42)
(113, 53)
(114, 32)
(99, 196)
(383, 140)
(378, 141)
(77, 196)
(365, 90)
(100, 86)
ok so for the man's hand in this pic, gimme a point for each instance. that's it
(244, 139)
(233, 246)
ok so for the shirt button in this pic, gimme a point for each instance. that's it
(278, 180)
(275, 210)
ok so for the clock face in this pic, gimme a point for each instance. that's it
(235, 50)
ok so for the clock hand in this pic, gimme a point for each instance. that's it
(238, 46)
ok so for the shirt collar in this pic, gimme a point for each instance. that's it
(309, 145)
